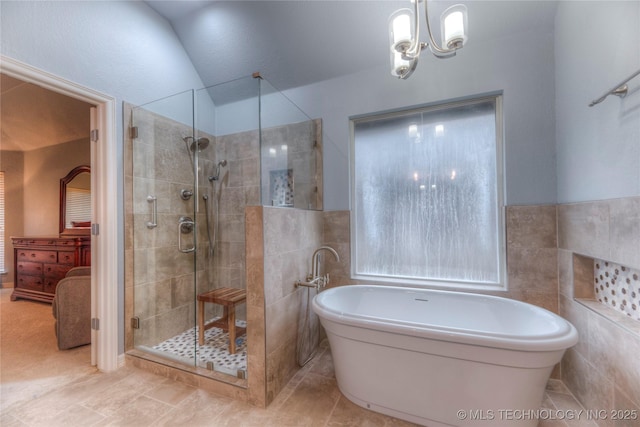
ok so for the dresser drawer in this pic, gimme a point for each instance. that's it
(33, 283)
(67, 258)
(41, 262)
(55, 270)
(30, 268)
(41, 256)
(50, 284)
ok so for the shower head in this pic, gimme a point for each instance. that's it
(221, 163)
(200, 143)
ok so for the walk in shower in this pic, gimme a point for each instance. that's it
(197, 160)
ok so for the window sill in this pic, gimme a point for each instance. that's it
(431, 284)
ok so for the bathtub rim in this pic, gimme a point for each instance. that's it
(565, 337)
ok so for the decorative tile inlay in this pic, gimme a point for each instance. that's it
(618, 286)
(215, 348)
(282, 187)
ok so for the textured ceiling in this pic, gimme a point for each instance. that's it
(32, 117)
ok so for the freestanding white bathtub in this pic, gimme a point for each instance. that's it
(441, 358)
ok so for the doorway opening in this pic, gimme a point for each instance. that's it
(106, 271)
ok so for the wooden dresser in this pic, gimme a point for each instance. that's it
(40, 263)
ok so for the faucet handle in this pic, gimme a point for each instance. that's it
(325, 280)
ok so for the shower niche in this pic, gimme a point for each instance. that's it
(194, 162)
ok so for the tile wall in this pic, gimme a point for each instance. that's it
(167, 306)
(618, 287)
(296, 149)
(290, 238)
(160, 277)
(238, 186)
(280, 243)
(262, 250)
(602, 370)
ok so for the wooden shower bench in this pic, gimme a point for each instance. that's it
(228, 298)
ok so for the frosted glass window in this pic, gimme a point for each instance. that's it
(426, 196)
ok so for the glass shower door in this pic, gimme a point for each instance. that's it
(165, 159)
(199, 159)
(229, 179)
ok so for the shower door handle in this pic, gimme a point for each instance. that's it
(154, 212)
(185, 226)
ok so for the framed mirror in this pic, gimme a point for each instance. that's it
(75, 202)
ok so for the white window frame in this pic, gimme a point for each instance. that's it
(501, 284)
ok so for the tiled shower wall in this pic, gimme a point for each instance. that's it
(602, 370)
(159, 277)
(238, 186)
(618, 287)
(295, 148)
(246, 248)
(162, 275)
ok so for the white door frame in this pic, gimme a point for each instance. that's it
(104, 191)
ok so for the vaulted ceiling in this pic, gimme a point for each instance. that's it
(291, 43)
(295, 43)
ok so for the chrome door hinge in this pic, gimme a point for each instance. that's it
(94, 135)
(95, 324)
(135, 323)
(95, 229)
(133, 132)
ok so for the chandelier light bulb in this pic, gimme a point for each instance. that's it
(404, 36)
(400, 67)
(454, 24)
(400, 29)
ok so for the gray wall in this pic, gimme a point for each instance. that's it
(598, 149)
(521, 66)
(43, 169)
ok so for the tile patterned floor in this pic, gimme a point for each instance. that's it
(41, 386)
(215, 348)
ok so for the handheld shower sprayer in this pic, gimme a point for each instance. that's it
(216, 176)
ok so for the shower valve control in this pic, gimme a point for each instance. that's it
(185, 226)
(186, 194)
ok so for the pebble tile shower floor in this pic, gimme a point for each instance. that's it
(214, 350)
